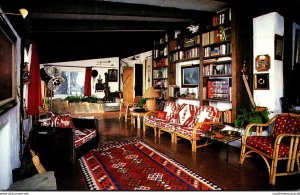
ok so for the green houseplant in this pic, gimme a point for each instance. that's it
(252, 115)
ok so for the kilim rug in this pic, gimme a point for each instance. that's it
(133, 165)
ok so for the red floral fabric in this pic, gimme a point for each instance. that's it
(286, 124)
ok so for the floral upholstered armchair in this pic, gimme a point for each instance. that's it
(281, 145)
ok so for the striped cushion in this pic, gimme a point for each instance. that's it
(206, 112)
(170, 107)
(187, 131)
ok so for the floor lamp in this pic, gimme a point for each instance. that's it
(150, 94)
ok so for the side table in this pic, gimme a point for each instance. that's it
(137, 115)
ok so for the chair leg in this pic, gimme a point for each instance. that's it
(194, 145)
(242, 155)
(272, 177)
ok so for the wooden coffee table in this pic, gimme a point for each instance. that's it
(137, 115)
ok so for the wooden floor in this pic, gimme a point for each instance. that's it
(209, 163)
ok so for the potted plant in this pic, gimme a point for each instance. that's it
(246, 116)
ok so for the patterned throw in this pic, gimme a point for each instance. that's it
(133, 165)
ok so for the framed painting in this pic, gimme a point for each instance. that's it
(261, 81)
(190, 76)
(112, 75)
(278, 45)
(8, 84)
(297, 48)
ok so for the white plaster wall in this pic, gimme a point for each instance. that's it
(9, 129)
(264, 29)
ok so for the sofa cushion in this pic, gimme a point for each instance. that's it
(266, 145)
(286, 124)
(171, 126)
(186, 113)
(152, 120)
(161, 114)
(83, 135)
(187, 131)
(170, 107)
(63, 121)
(206, 112)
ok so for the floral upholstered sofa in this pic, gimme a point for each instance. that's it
(185, 121)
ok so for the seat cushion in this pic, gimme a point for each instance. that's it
(286, 124)
(152, 120)
(171, 126)
(187, 131)
(83, 135)
(265, 144)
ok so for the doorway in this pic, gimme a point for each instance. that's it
(138, 74)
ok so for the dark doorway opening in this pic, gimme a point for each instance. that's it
(138, 72)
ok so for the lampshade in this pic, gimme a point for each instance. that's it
(23, 12)
(150, 93)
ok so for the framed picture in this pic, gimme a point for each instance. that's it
(262, 63)
(278, 47)
(8, 84)
(190, 76)
(261, 81)
(112, 75)
(297, 49)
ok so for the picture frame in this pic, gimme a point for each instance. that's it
(112, 75)
(297, 48)
(278, 45)
(8, 86)
(190, 76)
(261, 81)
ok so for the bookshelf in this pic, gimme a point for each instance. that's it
(161, 65)
(220, 64)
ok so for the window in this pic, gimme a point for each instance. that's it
(73, 85)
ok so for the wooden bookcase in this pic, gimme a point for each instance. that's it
(160, 66)
(220, 62)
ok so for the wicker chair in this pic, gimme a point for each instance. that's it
(281, 145)
(124, 109)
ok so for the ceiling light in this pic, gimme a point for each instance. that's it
(23, 13)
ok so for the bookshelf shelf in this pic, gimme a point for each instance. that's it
(219, 63)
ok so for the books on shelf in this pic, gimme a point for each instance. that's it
(226, 116)
(217, 69)
(218, 89)
(174, 90)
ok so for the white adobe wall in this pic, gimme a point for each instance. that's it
(264, 29)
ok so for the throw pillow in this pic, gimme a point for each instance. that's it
(205, 127)
(161, 114)
(63, 121)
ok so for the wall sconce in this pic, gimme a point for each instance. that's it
(23, 13)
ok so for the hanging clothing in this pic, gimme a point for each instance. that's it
(87, 81)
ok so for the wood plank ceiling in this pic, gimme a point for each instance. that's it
(75, 30)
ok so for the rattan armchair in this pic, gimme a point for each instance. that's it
(125, 109)
(281, 145)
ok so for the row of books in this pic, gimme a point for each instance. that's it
(161, 83)
(160, 63)
(221, 18)
(187, 54)
(160, 73)
(174, 91)
(188, 42)
(158, 53)
(217, 69)
(226, 116)
(215, 36)
(222, 49)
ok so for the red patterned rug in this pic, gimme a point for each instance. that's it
(134, 165)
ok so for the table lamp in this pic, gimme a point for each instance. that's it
(150, 94)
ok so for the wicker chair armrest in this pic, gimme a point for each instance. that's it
(150, 113)
(294, 144)
(203, 123)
